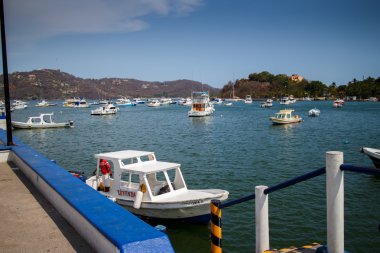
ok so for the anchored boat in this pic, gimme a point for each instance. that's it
(105, 110)
(285, 117)
(314, 112)
(154, 189)
(42, 121)
(201, 105)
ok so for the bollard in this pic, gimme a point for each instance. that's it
(262, 219)
(335, 202)
(216, 227)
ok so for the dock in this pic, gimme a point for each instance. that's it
(29, 222)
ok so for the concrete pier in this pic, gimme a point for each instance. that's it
(29, 223)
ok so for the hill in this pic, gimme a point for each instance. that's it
(55, 84)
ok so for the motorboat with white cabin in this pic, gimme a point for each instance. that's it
(43, 121)
(285, 117)
(44, 103)
(153, 189)
(285, 101)
(125, 102)
(267, 103)
(154, 103)
(338, 103)
(201, 105)
(248, 99)
(105, 110)
(19, 104)
(314, 112)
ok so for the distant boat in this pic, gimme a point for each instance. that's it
(314, 112)
(374, 155)
(125, 102)
(18, 104)
(248, 99)
(285, 117)
(228, 104)
(105, 110)
(285, 101)
(42, 121)
(43, 103)
(201, 105)
(154, 103)
(338, 103)
(267, 103)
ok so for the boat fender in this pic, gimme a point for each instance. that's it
(143, 188)
(138, 199)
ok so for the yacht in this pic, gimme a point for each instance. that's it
(248, 99)
(154, 103)
(285, 117)
(201, 105)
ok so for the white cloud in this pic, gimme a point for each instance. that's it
(34, 19)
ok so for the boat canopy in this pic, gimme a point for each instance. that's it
(124, 154)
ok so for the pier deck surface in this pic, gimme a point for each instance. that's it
(29, 223)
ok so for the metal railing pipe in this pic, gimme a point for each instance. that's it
(237, 201)
(262, 219)
(335, 202)
(363, 170)
(296, 180)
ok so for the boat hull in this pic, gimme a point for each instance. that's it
(374, 155)
(284, 121)
(23, 125)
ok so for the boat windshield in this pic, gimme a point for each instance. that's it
(163, 182)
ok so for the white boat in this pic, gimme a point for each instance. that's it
(154, 189)
(201, 105)
(292, 100)
(374, 155)
(285, 117)
(70, 102)
(217, 101)
(105, 110)
(228, 104)
(338, 103)
(125, 102)
(248, 99)
(185, 101)
(165, 101)
(267, 103)
(285, 101)
(82, 103)
(138, 101)
(18, 105)
(154, 103)
(43, 121)
(314, 112)
(43, 103)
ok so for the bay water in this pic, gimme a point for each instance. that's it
(236, 149)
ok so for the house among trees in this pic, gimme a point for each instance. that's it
(296, 78)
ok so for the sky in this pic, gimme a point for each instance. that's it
(211, 41)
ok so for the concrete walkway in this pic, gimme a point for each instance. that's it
(29, 223)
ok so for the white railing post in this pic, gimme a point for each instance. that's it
(335, 202)
(262, 220)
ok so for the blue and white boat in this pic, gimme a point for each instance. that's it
(154, 189)
(124, 102)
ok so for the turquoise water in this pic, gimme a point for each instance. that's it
(236, 149)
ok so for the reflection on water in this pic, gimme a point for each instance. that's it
(236, 149)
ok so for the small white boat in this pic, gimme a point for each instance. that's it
(125, 102)
(285, 117)
(217, 101)
(228, 104)
(201, 105)
(165, 101)
(338, 103)
(154, 189)
(43, 103)
(154, 103)
(248, 99)
(267, 103)
(18, 105)
(314, 112)
(285, 101)
(105, 110)
(139, 101)
(82, 103)
(42, 121)
(70, 102)
(185, 101)
(374, 155)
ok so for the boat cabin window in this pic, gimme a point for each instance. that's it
(129, 161)
(158, 183)
(36, 120)
(130, 180)
(146, 158)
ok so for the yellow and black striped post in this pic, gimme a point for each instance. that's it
(216, 227)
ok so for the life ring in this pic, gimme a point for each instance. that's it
(143, 188)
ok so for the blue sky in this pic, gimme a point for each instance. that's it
(212, 41)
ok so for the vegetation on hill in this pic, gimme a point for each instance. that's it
(55, 84)
(267, 85)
